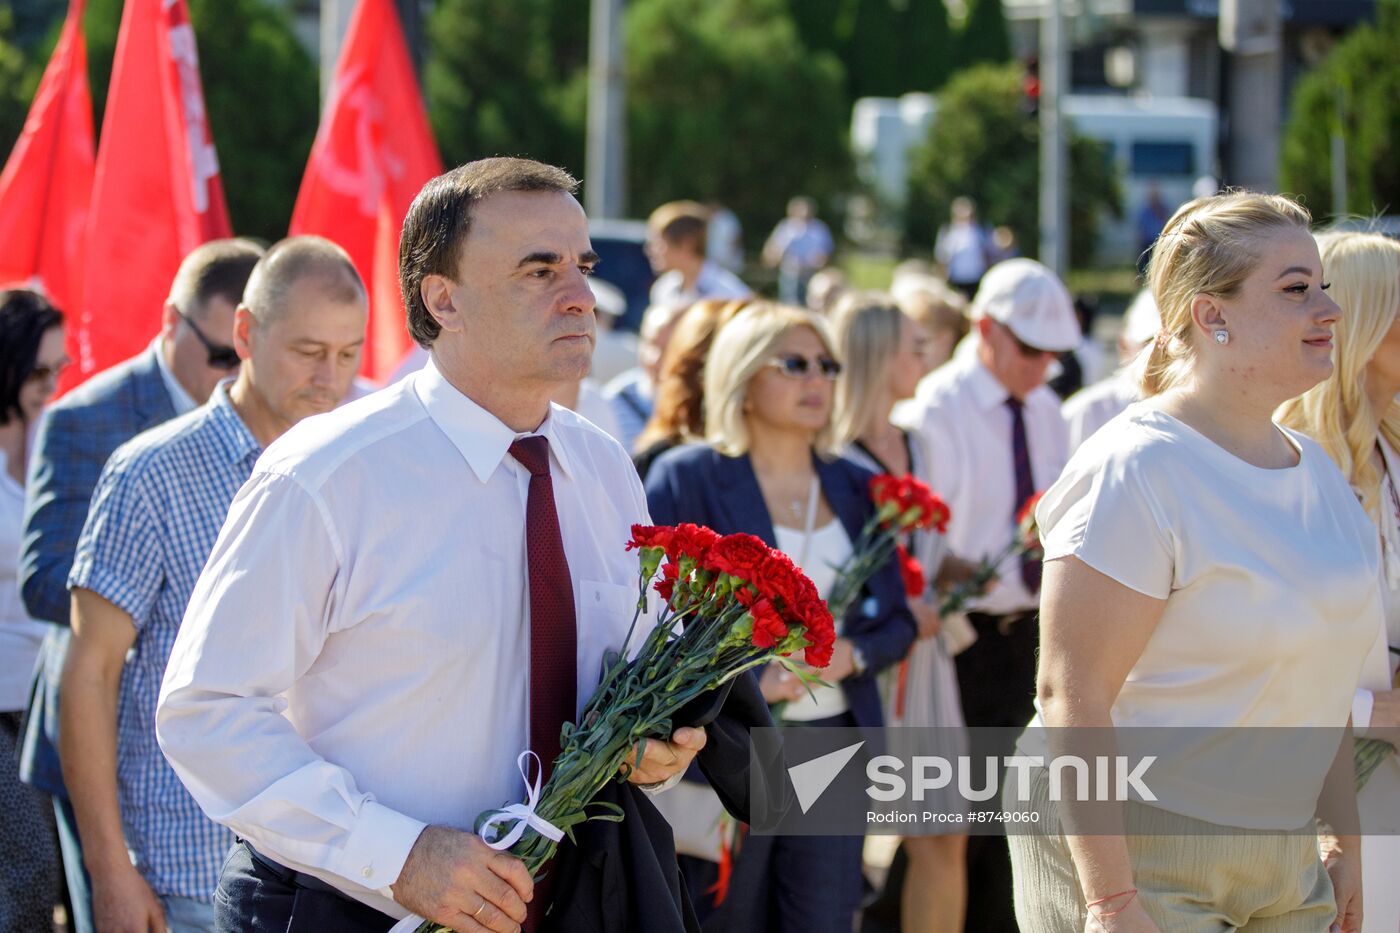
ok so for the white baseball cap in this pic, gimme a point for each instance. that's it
(1032, 302)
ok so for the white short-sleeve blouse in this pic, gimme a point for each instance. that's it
(1270, 582)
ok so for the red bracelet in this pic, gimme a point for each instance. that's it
(1130, 893)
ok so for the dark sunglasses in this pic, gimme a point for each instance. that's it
(221, 356)
(798, 367)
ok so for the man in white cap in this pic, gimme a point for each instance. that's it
(1095, 406)
(994, 436)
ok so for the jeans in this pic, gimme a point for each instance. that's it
(79, 884)
(187, 915)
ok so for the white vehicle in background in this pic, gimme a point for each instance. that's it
(1162, 143)
(1166, 142)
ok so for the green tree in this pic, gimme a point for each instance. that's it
(984, 144)
(983, 36)
(261, 94)
(925, 45)
(506, 77)
(1354, 92)
(724, 101)
(17, 84)
(823, 25)
(872, 51)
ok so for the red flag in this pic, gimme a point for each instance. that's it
(157, 193)
(47, 182)
(373, 153)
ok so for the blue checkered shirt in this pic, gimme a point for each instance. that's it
(157, 509)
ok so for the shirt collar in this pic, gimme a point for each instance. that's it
(482, 438)
(238, 442)
(179, 398)
(986, 390)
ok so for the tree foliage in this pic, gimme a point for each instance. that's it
(1355, 91)
(984, 36)
(985, 144)
(18, 82)
(507, 77)
(724, 101)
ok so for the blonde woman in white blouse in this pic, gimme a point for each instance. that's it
(1356, 419)
(1207, 568)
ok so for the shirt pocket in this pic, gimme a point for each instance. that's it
(605, 612)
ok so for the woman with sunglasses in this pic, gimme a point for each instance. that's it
(31, 358)
(766, 469)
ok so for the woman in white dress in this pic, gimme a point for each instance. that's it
(1207, 569)
(885, 353)
(1355, 417)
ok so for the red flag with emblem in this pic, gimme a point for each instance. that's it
(372, 155)
(47, 182)
(157, 194)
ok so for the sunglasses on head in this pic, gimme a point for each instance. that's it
(221, 356)
(798, 367)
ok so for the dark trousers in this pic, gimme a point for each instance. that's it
(257, 895)
(996, 677)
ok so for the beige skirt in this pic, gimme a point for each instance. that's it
(1200, 879)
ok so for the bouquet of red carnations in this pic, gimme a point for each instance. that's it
(902, 504)
(729, 603)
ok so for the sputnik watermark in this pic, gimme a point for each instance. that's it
(1114, 778)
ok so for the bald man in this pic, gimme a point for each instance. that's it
(154, 857)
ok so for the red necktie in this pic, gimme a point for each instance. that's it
(553, 638)
(1025, 487)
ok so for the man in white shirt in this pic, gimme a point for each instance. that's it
(371, 645)
(676, 243)
(994, 436)
(963, 247)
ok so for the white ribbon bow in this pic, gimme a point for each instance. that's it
(522, 814)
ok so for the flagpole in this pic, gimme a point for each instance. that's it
(605, 180)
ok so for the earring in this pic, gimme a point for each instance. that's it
(1222, 336)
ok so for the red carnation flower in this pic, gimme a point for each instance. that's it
(911, 571)
(739, 555)
(651, 536)
(693, 540)
(667, 584)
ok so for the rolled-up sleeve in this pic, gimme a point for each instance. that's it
(256, 622)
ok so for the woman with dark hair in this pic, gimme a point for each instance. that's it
(31, 357)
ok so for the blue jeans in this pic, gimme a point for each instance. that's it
(79, 884)
(187, 915)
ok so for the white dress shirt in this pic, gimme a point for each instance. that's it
(354, 663)
(960, 416)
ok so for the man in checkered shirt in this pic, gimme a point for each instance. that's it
(154, 857)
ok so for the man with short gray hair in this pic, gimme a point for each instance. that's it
(153, 856)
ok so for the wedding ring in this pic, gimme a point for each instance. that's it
(480, 909)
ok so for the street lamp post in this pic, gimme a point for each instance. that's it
(1054, 179)
(605, 176)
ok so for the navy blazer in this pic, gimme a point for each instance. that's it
(71, 446)
(697, 483)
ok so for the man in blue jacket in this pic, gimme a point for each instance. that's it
(174, 375)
